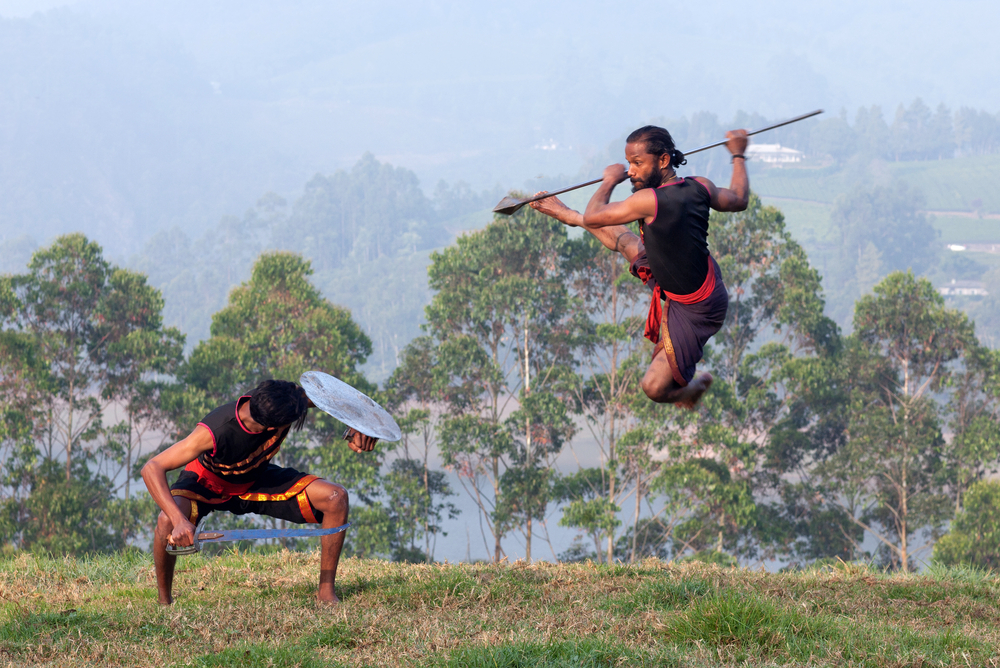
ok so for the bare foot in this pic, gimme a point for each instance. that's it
(327, 598)
(693, 392)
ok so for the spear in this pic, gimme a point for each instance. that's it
(508, 205)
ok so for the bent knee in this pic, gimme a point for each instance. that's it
(660, 392)
(335, 500)
(163, 523)
(655, 389)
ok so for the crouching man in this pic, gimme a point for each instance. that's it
(226, 462)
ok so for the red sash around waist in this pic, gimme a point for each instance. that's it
(655, 315)
(215, 483)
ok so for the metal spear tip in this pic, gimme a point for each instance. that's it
(508, 206)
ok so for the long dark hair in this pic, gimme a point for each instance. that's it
(275, 403)
(658, 142)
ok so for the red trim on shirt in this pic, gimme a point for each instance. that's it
(238, 420)
(215, 446)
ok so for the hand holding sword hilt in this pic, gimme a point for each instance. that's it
(193, 548)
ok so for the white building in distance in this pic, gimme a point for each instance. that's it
(773, 153)
(963, 288)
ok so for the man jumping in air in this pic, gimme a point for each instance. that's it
(671, 254)
(226, 462)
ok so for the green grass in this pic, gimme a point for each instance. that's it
(252, 609)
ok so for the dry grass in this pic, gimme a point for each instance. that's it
(258, 610)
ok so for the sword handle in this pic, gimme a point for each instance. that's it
(194, 548)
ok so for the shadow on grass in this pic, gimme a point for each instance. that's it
(261, 656)
(589, 653)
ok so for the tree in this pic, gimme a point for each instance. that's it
(370, 212)
(881, 230)
(834, 137)
(502, 322)
(775, 316)
(415, 391)
(605, 387)
(974, 538)
(276, 325)
(976, 132)
(889, 472)
(872, 132)
(974, 419)
(91, 335)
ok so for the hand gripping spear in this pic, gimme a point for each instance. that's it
(509, 205)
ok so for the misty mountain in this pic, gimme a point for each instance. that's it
(121, 119)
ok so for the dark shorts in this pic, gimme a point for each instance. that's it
(279, 492)
(686, 328)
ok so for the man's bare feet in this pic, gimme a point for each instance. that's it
(692, 394)
(327, 597)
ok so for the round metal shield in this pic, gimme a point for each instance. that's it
(355, 409)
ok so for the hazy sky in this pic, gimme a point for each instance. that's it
(138, 115)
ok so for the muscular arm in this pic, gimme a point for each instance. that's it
(737, 195)
(601, 212)
(614, 237)
(154, 473)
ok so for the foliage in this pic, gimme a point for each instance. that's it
(373, 211)
(504, 331)
(889, 473)
(881, 230)
(974, 536)
(82, 342)
(605, 391)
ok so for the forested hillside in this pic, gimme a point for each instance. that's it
(813, 444)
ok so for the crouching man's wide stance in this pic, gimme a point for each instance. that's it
(226, 462)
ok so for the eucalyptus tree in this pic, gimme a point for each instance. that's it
(503, 323)
(973, 414)
(22, 384)
(775, 321)
(100, 331)
(890, 471)
(417, 493)
(96, 337)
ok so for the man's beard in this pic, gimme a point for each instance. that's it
(654, 180)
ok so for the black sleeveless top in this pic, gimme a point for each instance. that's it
(239, 455)
(677, 239)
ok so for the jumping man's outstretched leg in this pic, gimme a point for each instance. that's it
(331, 500)
(164, 562)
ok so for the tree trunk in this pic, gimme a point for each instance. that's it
(69, 435)
(635, 518)
(529, 455)
(527, 544)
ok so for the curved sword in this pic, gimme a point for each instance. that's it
(211, 537)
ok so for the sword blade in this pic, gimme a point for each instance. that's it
(258, 534)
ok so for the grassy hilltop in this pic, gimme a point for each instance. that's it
(257, 610)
